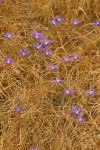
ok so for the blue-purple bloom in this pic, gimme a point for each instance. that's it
(37, 35)
(56, 20)
(24, 52)
(9, 35)
(76, 111)
(46, 42)
(31, 148)
(97, 23)
(66, 59)
(18, 109)
(74, 22)
(80, 119)
(68, 92)
(38, 46)
(58, 81)
(91, 92)
(75, 56)
(53, 67)
(47, 52)
(8, 61)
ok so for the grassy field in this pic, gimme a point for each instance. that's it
(50, 90)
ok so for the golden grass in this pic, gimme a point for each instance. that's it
(47, 121)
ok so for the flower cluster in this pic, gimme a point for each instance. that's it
(69, 59)
(77, 111)
(42, 42)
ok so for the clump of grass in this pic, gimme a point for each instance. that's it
(49, 75)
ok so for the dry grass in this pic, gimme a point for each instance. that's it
(47, 121)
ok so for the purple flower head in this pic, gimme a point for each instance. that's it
(37, 35)
(68, 92)
(8, 61)
(80, 119)
(97, 23)
(75, 56)
(46, 42)
(58, 81)
(66, 59)
(9, 35)
(57, 20)
(24, 52)
(47, 52)
(91, 92)
(53, 67)
(31, 148)
(34, 148)
(18, 109)
(75, 22)
(76, 111)
(38, 46)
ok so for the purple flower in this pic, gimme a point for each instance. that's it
(91, 92)
(97, 23)
(75, 22)
(76, 111)
(53, 67)
(80, 119)
(9, 35)
(57, 20)
(46, 42)
(47, 52)
(58, 81)
(8, 61)
(38, 46)
(18, 109)
(66, 59)
(75, 56)
(24, 52)
(34, 148)
(37, 35)
(68, 92)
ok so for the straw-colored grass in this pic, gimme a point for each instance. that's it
(47, 121)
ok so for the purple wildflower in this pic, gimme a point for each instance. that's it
(8, 61)
(66, 59)
(31, 148)
(75, 56)
(75, 22)
(9, 35)
(57, 20)
(80, 119)
(34, 148)
(58, 81)
(76, 111)
(53, 67)
(91, 92)
(24, 52)
(68, 92)
(38, 46)
(37, 35)
(46, 42)
(97, 23)
(47, 52)
(18, 109)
